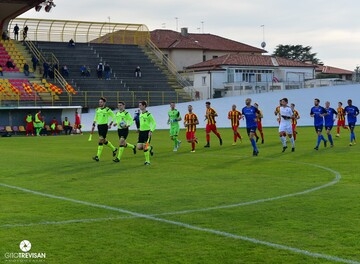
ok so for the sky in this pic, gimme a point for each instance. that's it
(331, 28)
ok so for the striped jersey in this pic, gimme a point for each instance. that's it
(190, 119)
(341, 114)
(210, 115)
(295, 117)
(234, 116)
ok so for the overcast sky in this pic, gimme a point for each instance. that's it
(331, 28)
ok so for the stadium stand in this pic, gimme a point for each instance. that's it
(123, 60)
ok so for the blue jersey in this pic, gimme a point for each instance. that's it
(351, 113)
(250, 116)
(329, 118)
(317, 111)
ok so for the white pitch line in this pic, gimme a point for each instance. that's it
(334, 181)
(192, 227)
(64, 222)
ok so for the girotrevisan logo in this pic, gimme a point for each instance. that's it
(25, 247)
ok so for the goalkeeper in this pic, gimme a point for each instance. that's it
(173, 120)
(124, 120)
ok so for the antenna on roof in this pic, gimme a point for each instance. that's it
(263, 43)
(177, 23)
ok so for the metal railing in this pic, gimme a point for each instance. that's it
(91, 99)
(164, 60)
(82, 31)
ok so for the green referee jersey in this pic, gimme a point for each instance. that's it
(102, 115)
(123, 116)
(147, 122)
(173, 116)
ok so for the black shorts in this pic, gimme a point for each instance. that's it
(123, 133)
(143, 136)
(102, 130)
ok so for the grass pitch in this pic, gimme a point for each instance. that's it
(217, 205)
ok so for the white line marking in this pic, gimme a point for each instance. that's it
(64, 222)
(334, 181)
(207, 230)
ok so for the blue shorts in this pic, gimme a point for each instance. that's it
(351, 125)
(251, 130)
(328, 127)
(319, 128)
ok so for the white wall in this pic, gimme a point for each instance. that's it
(303, 99)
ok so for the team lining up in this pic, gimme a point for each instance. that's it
(287, 117)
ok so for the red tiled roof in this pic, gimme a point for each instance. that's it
(168, 39)
(331, 70)
(249, 60)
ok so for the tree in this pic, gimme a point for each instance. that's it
(296, 52)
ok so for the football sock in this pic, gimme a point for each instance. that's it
(99, 150)
(238, 135)
(128, 145)
(330, 139)
(147, 156)
(193, 145)
(108, 143)
(121, 150)
(338, 130)
(175, 142)
(283, 140)
(235, 137)
(322, 138)
(352, 136)
(318, 141)
(208, 138)
(253, 143)
(262, 135)
(292, 141)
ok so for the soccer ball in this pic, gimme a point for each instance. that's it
(123, 124)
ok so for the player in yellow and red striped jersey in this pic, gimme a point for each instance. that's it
(340, 119)
(295, 117)
(211, 124)
(235, 116)
(190, 122)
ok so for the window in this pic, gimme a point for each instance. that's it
(204, 80)
(204, 57)
(215, 56)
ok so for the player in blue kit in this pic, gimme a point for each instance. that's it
(251, 114)
(318, 112)
(351, 112)
(329, 121)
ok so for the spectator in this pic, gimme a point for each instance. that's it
(138, 72)
(71, 43)
(54, 126)
(88, 71)
(1, 70)
(65, 71)
(16, 32)
(9, 64)
(83, 71)
(99, 70)
(34, 61)
(29, 125)
(25, 31)
(46, 67)
(5, 35)
(51, 73)
(107, 70)
(67, 126)
(26, 69)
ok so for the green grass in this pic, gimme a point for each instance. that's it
(177, 209)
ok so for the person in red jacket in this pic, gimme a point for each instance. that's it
(77, 125)
(29, 124)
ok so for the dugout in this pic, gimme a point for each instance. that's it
(15, 116)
